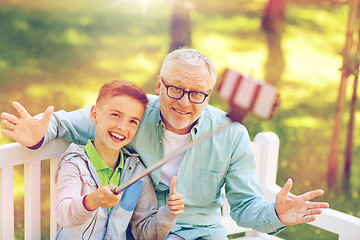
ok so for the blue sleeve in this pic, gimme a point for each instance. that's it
(75, 126)
(248, 207)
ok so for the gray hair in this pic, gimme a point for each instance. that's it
(188, 57)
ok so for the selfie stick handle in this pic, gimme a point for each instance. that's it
(169, 157)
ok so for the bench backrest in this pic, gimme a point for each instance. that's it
(15, 154)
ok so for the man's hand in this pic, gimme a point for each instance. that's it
(175, 201)
(293, 210)
(26, 130)
(101, 197)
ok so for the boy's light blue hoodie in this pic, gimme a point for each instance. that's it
(76, 177)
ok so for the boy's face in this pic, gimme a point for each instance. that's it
(116, 121)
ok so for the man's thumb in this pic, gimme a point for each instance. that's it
(47, 115)
(286, 189)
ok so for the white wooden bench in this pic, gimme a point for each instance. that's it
(265, 145)
(266, 149)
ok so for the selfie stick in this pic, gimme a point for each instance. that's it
(245, 95)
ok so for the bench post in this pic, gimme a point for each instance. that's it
(268, 164)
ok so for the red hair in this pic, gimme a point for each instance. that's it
(121, 88)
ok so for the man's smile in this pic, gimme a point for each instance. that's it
(181, 112)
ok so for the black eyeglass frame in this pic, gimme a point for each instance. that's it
(183, 92)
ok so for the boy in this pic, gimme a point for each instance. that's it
(86, 207)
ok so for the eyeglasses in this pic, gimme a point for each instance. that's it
(177, 93)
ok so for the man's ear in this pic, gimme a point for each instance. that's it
(206, 102)
(93, 114)
(158, 84)
(207, 99)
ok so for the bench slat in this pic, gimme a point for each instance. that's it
(13, 154)
(53, 223)
(7, 203)
(345, 225)
(32, 200)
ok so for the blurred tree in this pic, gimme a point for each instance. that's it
(180, 34)
(350, 136)
(180, 24)
(273, 23)
(346, 70)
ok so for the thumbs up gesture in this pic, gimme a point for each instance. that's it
(175, 201)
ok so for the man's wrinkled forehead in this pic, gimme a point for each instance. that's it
(189, 76)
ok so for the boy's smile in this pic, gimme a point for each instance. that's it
(117, 136)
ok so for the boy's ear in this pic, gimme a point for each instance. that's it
(93, 114)
(158, 84)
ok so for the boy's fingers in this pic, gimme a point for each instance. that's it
(176, 207)
(176, 210)
(116, 197)
(176, 202)
(176, 196)
(179, 212)
(172, 185)
(20, 109)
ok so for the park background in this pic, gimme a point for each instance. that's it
(60, 53)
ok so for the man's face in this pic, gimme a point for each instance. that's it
(179, 115)
(116, 121)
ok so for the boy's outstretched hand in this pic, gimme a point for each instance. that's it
(175, 201)
(293, 210)
(26, 130)
(101, 197)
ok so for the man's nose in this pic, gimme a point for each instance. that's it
(184, 100)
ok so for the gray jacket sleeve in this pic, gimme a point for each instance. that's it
(70, 191)
(148, 223)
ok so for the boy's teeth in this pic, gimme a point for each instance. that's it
(121, 137)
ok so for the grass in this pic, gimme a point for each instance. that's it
(60, 54)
